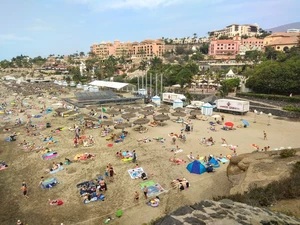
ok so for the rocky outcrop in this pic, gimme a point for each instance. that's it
(225, 212)
(258, 169)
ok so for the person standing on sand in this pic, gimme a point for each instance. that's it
(19, 222)
(24, 189)
(134, 157)
(111, 173)
(265, 135)
(146, 192)
(136, 196)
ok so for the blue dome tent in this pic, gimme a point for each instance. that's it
(196, 167)
(214, 162)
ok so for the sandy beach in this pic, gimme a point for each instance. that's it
(153, 157)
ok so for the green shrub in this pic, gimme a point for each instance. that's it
(270, 97)
(288, 153)
(291, 108)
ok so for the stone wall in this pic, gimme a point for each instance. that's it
(225, 212)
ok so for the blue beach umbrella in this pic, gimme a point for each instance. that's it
(196, 167)
(245, 122)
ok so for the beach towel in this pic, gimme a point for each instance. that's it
(49, 155)
(37, 116)
(56, 202)
(176, 151)
(49, 183)
(136, 173)
(194, 158)
(127, 159)
(223, 160)
(94, 198)
(58, 169)
(85, 183)
(154, 189)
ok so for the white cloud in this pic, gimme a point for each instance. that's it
(39, 25)
(13, 37)
(118, 4)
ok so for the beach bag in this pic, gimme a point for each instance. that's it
(144, 176)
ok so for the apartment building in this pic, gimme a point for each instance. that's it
(220, 49)
(282, 41)
(251, 44)
(146, 48)
(236, 29)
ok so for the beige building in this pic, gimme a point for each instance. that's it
(237, 29)
(146, 48)
(282, 41)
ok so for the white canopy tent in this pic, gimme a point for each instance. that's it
(108, 84)
(230, 74)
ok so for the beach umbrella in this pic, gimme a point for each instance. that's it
(195, 112)
(245, 122)
(161, 117)
(178, 109)
(178, 114)
(120, 107)
(131, 110)
(106, 122)
(90, 118)
(92, 107)
(141, 121)
(216, 116)
(112, 112)
(146, 113)
(229, 124)
(128, 116)
(122, 126)
(164, 106)
(148, 108)
(163, 111)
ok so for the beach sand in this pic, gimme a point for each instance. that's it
(153, 157)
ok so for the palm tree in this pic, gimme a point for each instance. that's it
(194, 37)
(81, 54)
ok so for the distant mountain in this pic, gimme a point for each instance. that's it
(284, 28)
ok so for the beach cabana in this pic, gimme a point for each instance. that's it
(156, 100)
(207, 109)
(177, 104)
(196, 167)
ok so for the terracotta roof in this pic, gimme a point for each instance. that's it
(284, 41)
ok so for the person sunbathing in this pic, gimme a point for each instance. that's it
(6, 129)
(90, 156)
(191, 156)
(119, 154)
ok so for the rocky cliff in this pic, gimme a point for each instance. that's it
(258, 169)
(225, 212)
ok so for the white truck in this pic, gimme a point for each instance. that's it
(233, 105)
(171, 97)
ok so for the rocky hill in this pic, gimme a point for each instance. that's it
(225, 212)
(258, 169)
(284, 28)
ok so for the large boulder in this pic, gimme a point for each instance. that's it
(257, 169)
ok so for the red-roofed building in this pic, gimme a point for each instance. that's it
(221, 49)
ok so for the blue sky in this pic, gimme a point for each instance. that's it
(43, 27)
